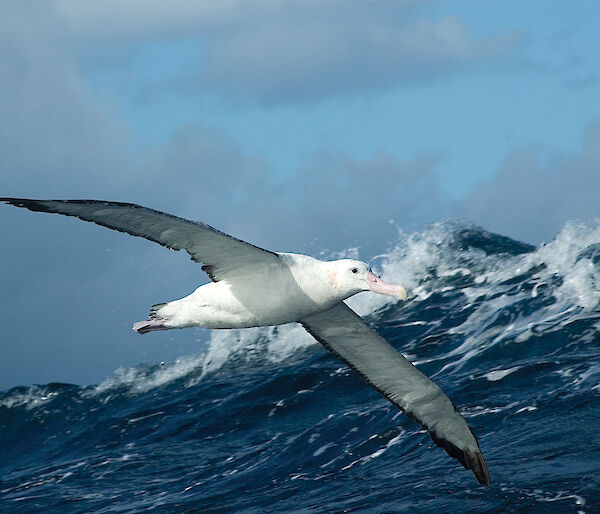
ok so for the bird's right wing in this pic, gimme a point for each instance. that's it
(220, 253)
(345, 335)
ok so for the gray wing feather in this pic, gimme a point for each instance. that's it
(345, 335)
(221, 253)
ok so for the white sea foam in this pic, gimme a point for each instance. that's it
(275, 344)
(589, 378)
(545, 496)
(573, 282)
(377, 453)
(140, 380)
(323, 449)
(499, 374)
(32, 397)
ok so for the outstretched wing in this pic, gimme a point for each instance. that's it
(220, 253)
(345, 335)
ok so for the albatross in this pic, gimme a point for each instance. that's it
(252, 287)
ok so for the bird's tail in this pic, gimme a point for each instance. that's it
(154, 323)
(149, 325)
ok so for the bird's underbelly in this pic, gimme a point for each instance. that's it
(216, 305)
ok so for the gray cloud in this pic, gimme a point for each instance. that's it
(280, 52)
(341, 201)
(52, 131)
(538, 189)
(313, 54)
(333, 200)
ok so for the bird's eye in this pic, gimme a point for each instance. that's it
(354, 270)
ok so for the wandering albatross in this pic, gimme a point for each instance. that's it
(253, 287)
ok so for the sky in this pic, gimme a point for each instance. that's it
(306, 126)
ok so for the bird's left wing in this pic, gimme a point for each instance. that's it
(345, 335)
(220, 253)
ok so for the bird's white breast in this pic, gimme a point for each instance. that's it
(297, 288)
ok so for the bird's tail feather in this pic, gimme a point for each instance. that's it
(149, 325)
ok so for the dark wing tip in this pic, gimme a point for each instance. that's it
(32, 205)
(470, 459)
(479, 467)
(40, 205)
(474, 461)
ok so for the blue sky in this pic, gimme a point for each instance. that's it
(264, 119)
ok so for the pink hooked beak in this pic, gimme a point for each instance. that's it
(379, 286)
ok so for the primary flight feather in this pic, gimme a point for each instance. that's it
(251, 287)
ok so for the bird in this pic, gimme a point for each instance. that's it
(251, 286)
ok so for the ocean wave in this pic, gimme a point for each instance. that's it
(262, 417)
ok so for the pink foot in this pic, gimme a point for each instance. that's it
(150, 325)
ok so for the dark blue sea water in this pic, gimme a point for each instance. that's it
(266, 420)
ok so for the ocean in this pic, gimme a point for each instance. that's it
(266, 420)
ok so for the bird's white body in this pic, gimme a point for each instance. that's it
(291, 290)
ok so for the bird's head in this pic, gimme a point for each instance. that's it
(353, 276)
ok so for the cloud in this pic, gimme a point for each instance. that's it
(280, 52)
(342, 201)
(333, 199)
(306, 58)
(538, 189)
(53, 131)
